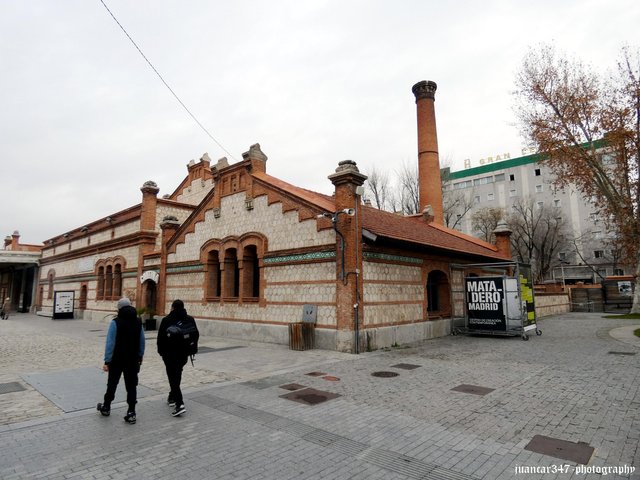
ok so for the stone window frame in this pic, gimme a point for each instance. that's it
(243, 284)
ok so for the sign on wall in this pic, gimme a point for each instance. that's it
(485, 303)
(63, 304)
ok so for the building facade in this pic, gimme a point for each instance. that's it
(19, 265)
(247, 252)
(586, 255)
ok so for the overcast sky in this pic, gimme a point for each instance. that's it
(85, 121)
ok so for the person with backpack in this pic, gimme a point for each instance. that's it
(123, 355)
(177, 340)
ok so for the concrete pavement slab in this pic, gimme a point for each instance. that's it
(75, 389)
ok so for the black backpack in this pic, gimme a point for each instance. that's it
(183, 337)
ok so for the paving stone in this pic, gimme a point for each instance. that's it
(564, 385)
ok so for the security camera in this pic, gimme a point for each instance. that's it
(349, 211)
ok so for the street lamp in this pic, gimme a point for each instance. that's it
(562, 264)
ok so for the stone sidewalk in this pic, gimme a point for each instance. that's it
(460, 407)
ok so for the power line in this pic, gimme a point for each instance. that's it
(165, 83)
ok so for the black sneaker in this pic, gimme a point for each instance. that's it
(104, 410)
(171, 402)
(179, 410)
(130, 417)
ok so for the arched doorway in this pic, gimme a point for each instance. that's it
(149, 295)
(438, 294)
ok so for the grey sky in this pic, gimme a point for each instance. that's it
(85, 121)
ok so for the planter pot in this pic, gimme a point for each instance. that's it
(150, 324)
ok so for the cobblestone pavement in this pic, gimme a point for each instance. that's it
(578, 382)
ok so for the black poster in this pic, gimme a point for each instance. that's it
(485, 303)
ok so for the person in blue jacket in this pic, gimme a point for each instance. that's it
(123, 355)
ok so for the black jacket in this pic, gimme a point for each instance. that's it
(165, 349)
(128, 344)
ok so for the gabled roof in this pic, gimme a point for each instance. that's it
(323, 202)
(410, 229)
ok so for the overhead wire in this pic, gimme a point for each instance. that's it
(165, 83)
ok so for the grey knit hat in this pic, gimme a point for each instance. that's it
(124, 302)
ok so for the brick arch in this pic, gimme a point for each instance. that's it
(438, 293)
(233, 268)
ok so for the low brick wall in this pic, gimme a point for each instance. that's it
(552, 304)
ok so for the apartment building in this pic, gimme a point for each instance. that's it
(504, 183)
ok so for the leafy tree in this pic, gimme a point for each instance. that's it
(587, 127)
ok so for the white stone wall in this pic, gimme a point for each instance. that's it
(93, 239)
(301, 287)
(79, 265)
(194, 193)
(283, 231)
(392, 293)
(78, 271)
(164, 210)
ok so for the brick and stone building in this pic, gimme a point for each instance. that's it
(246, 251)
(19, 272)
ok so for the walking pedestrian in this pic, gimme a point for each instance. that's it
(123, 354)
(175, 350)
(6, 306)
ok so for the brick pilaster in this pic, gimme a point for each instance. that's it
(348, 224)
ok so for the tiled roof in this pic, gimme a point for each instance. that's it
(411, 229)
(414, 229)
(324, 202)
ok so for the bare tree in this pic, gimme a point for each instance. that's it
(378, 186)
(455, 203)
(485, 221)
(409, 189)
(587, 128)
(539, 233)
(611, 253)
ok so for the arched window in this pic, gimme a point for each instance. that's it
(117, 281)
(250, 273)
(82, 304)
(232, 268)
(100, 286)
(50, 292)
(438, 293)
(213, 274)
(231, 274)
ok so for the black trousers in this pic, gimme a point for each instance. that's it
(174, 366)
(130, 372)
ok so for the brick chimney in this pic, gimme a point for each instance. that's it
(503, 238)
(430, 184)
(149, 201)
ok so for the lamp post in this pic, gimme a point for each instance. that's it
(562, 264)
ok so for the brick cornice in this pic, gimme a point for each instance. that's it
(133, 239)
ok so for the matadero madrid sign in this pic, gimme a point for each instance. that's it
(485, 303)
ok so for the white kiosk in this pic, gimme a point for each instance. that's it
(493, 299)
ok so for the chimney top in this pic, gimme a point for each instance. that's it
(424, 89)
